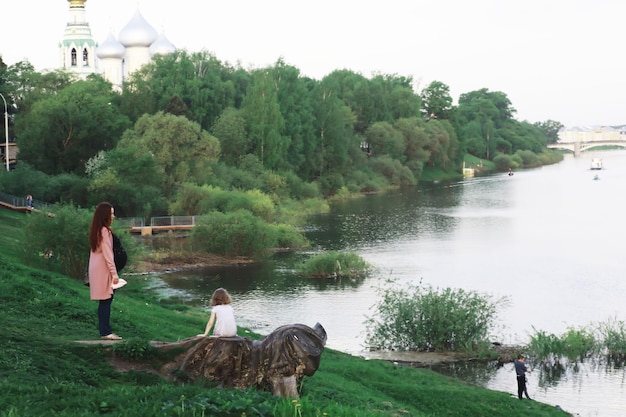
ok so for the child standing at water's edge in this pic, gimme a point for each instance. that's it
(222, 315)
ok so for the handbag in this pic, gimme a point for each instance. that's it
(119, 253)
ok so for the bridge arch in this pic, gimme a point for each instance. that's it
(578, 147)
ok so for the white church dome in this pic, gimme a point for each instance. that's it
(162, 46)
(137, 32)
(110, 48)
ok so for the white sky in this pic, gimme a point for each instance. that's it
(555, 59)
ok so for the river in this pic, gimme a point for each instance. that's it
(548, 240)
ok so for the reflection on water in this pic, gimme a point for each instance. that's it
(474, 372)
(589, 388)
(547, 239)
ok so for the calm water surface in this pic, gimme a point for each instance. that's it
(550, 240)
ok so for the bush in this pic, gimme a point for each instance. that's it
(299, 189)
(254, 201)
(189, 198)
(239, 233)
(424, 319)
(59, 238)
(289, 238)
(504, 162)
(393, 171)
(335, 264)
(529, 158)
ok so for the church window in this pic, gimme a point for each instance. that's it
(85, 57)
(73, 57)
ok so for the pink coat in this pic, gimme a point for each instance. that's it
(102, 268)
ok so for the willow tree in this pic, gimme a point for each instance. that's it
(183, 152)
(416, 143)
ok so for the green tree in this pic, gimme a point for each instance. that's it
(443, 145)
(416, 143)
(62, 131)
(404, 103)
(230, 129)
(550, 129)
(199, 80)
(487, 112)
(265, 122)
(129, 179)
(29, 86)
(182, 151)
(436, 101)
(295, 106)
(381, 98)
(383, 139)
(335, 123)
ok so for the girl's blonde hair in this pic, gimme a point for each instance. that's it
(220, 296)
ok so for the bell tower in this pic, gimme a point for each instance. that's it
(77, 51)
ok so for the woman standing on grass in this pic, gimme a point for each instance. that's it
(102, 272)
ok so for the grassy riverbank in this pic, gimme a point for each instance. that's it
(45, 372)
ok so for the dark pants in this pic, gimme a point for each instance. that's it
(104, 316)
(521, 386)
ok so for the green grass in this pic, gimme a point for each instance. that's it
(43, 371)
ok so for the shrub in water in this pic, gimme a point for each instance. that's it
(575, 344)
(613, 335)
(334, 264)
(421, 318)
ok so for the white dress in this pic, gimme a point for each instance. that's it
(225, 325)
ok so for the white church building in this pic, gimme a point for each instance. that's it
(115, 58)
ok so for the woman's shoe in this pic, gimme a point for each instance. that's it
(111, 336)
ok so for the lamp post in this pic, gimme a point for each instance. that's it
(6, 131)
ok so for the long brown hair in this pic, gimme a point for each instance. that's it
(101, 218)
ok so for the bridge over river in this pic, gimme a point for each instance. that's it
(581, 146)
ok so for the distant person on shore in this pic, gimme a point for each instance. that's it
(102, 272)
(520, 371)
(29, 202)
(222, 315)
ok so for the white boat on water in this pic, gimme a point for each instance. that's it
(596, 163)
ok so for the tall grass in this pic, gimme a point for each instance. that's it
(604, 339)
(613, 336)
